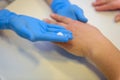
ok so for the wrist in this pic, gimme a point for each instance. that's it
(105, 57)
(98, 47)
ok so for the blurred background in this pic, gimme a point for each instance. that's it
(4, 3)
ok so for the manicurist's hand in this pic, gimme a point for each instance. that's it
(33, 29)
(65, 8)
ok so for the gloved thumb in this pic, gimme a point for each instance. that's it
(79, 14)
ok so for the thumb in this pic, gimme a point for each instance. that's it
(79, 14)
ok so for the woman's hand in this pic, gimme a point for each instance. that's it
(107, 5)
(65, 8)
(31, 28)
(91, 44)
(86, 37)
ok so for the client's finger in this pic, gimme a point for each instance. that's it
(50, 21)
(99, 2)
(117, 18)
(105, 7)
(62, 19)
(54, 22)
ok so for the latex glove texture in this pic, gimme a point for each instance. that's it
(65, 8)
(33, 29)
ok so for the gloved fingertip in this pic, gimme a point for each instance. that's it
(67, 37)
(80, 14)
(70, 36)
(85, 20)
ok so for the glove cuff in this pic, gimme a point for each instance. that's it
(59, 4)
(5, 16)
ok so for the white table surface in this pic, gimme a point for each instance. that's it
(24, 60)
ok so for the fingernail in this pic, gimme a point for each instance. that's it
(117, 19)
(94, 3)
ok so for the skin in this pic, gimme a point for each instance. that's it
(107, 5)
(49, 1)
(90, 43)
(104, 5)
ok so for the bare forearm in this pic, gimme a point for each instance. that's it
(106, 57)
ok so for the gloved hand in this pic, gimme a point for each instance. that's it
(65, 8)
(33, 29)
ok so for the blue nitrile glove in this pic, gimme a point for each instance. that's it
(65, 8)
(33, 29)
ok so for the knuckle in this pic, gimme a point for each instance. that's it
(74, 21)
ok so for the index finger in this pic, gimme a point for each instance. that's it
(62, 19)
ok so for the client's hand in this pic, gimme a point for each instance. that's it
(85, 36)
(91, 44)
